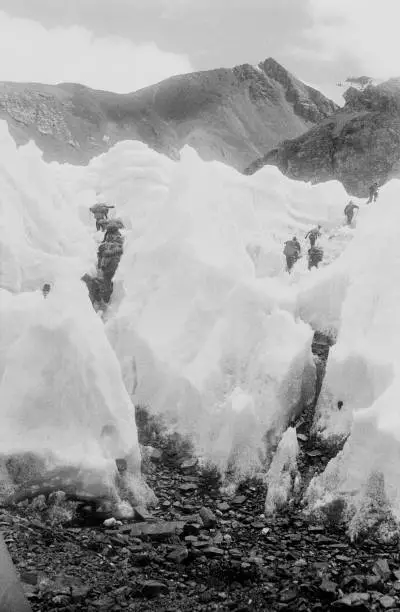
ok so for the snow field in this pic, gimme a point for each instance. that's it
(206, 327)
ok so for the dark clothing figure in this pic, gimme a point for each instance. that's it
(109, 255)
(340, 404)
(297, 245)
(101, 224)
(94, 286)
(373, 193)
(313, 234)
(292, 253)
(315, 256)
(46, 290)
(100, 213)
(349, 211)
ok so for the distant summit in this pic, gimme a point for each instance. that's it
(356, 145)
(231, 115)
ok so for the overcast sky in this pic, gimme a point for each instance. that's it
(123, 45)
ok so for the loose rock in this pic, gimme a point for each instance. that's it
(208, 517)
(152, 588)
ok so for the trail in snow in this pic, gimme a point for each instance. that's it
(207, 327)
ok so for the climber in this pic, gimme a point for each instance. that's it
(112, 234)
(46, 290)
(313, 234)
(292, 252)
(340, 404)
(100, 213)
(110, 253)
(349, 211)
(94, 286)
(297, 245)
(113, 226)
(315, 256)
(373, 193)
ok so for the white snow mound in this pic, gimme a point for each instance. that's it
(41, 237)
(283, 477)
(61, 391)
(363, 369)
(206, 330)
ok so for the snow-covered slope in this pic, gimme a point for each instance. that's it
(62, 397)
(205, 325)
(363, 370)
(206, 331)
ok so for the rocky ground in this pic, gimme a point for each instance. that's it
(198, 550)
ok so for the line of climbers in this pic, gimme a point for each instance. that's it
(351, 207)
(108, 256)
(292, 250)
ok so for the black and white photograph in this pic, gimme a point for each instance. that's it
(199, 305)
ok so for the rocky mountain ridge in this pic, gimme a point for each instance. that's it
(231, 115)
(356, 145)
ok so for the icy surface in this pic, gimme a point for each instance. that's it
(283, 478)
(205, 326)
(363, 369)
(41, 237)
(206, 331)
(62, 396)
(61, 392)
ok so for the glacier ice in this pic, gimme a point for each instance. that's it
(283, 477)
(61, 390)
(62, 396)
(41, 236)
(210, 330)
(363, 366)
(205, 327)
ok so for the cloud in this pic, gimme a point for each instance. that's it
(366, 31)
(29, 52)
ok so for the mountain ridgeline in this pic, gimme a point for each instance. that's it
(231, 115)
(357, 145)
(246, 117)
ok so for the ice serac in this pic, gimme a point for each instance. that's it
(356, 145)
(40, 235)
(283, 477)
(206, 332)
(228, 114)
(62, 396)
(363, 370)
(61, 392)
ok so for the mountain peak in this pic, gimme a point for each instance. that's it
(230, 115)
(356, 145)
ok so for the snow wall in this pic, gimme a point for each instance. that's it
(207, 327)
(363, 369)
(63, 403)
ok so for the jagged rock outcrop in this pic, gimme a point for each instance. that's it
(357, 145)
(231, 115)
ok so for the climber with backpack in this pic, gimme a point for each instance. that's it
(292, 252)
(113, 226)
(315, 256)
(349, 211)
(100, 213)
(313, 234)
(109, 255)
(373, 193)
(46, 290)
(94, 285)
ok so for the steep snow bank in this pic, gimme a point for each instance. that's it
(206, 332)
(41, 236)
(61, 390)
(62, 396)
(71, 393)
(363, 369)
